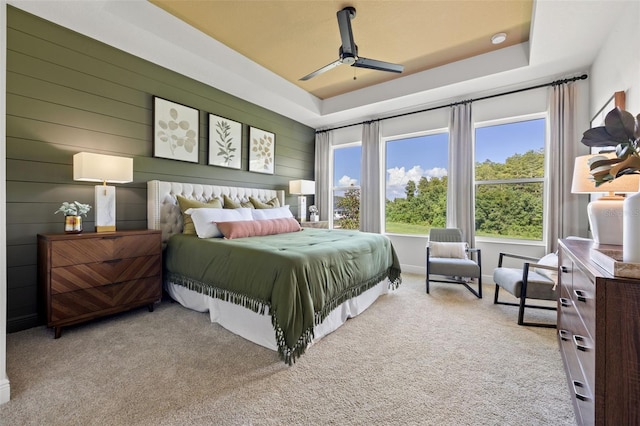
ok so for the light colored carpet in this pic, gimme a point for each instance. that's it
(411, 358)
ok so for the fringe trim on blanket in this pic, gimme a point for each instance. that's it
(258, 306)
(287, 354)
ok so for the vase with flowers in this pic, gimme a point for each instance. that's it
(313, 214)
(622, 132)
(73, 213)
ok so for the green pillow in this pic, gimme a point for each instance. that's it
(268, 205)
(186, 204)
(230, 204)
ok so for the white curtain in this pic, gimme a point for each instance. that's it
(370, 202)
(564, 142)
(322, 177)
(460, 188)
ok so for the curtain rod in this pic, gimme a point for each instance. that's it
(553, 83)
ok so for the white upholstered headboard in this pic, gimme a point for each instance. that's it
(163, 212)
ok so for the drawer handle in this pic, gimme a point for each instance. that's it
(578, 394)
(581, 295)
(564, 302)
(564, 335)
(581, 343)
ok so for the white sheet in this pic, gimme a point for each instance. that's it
(257, 328)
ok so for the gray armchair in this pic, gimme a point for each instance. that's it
(532, 281)
(453, 270)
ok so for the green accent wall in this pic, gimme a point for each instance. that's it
(68, 93)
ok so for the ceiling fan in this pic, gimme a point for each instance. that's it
(348, 52)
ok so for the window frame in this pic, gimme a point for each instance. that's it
(333, 188)
(544, 179)
(383, 169)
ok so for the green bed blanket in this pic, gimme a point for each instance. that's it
(300, 276)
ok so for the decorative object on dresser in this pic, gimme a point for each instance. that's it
(262, 150)
(89, 275)
(599, 337)
(225, 142)
(73, 213)
(175, 130)
(302, 188)
(103, 168)
(606, 212)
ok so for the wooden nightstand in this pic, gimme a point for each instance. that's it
(89, 275)
(324, 224)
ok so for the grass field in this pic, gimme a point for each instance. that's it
(406, 228)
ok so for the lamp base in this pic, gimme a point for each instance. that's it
(105, 205)
(302, 208)
(606, 220)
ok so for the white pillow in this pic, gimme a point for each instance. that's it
(205, 219)
(550, 259)
(274, 213)
(450, 250)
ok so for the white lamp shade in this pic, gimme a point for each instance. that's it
(583, 183)
(102, 168)
(302, 187)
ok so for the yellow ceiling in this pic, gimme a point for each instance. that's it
(293, 38)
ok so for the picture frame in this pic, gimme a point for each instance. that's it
(175, 130)
(262, 148)
(225, 142)
(618, 99)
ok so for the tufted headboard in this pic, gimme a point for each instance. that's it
(163, 212)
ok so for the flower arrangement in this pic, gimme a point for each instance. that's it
(73, 209)
(622, 131)
(313, 209)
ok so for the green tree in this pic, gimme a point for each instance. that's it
(350, 209)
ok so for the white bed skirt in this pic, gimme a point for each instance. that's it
(257, 328)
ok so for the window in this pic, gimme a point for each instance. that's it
(416, 183)
(346, 186)
(509, 177)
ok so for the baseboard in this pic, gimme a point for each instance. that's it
(22, 323)
(4, 391)
(413, 269)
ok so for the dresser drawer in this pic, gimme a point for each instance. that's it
(101, 249)
(76, 305)
(579, 386)
(583, 295)
(89, 275)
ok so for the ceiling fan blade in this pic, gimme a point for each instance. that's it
(377, 65)
(346, 35)
(321, 70)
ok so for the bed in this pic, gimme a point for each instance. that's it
(283, 291)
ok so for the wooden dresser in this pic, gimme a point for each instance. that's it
(599, 338)
(89, 275)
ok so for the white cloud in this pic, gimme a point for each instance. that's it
(347, 181)
(398, 178)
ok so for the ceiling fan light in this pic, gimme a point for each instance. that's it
(498, 38)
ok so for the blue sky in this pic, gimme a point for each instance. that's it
(412, 158)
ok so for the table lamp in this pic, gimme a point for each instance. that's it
(302, 188)
(103, 168)
(605, 213)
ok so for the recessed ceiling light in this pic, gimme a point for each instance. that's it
(498, 38)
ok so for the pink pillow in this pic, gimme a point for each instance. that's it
(252, 228)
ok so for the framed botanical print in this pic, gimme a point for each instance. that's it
(225, 142)
(175, 131)
(262, 147)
